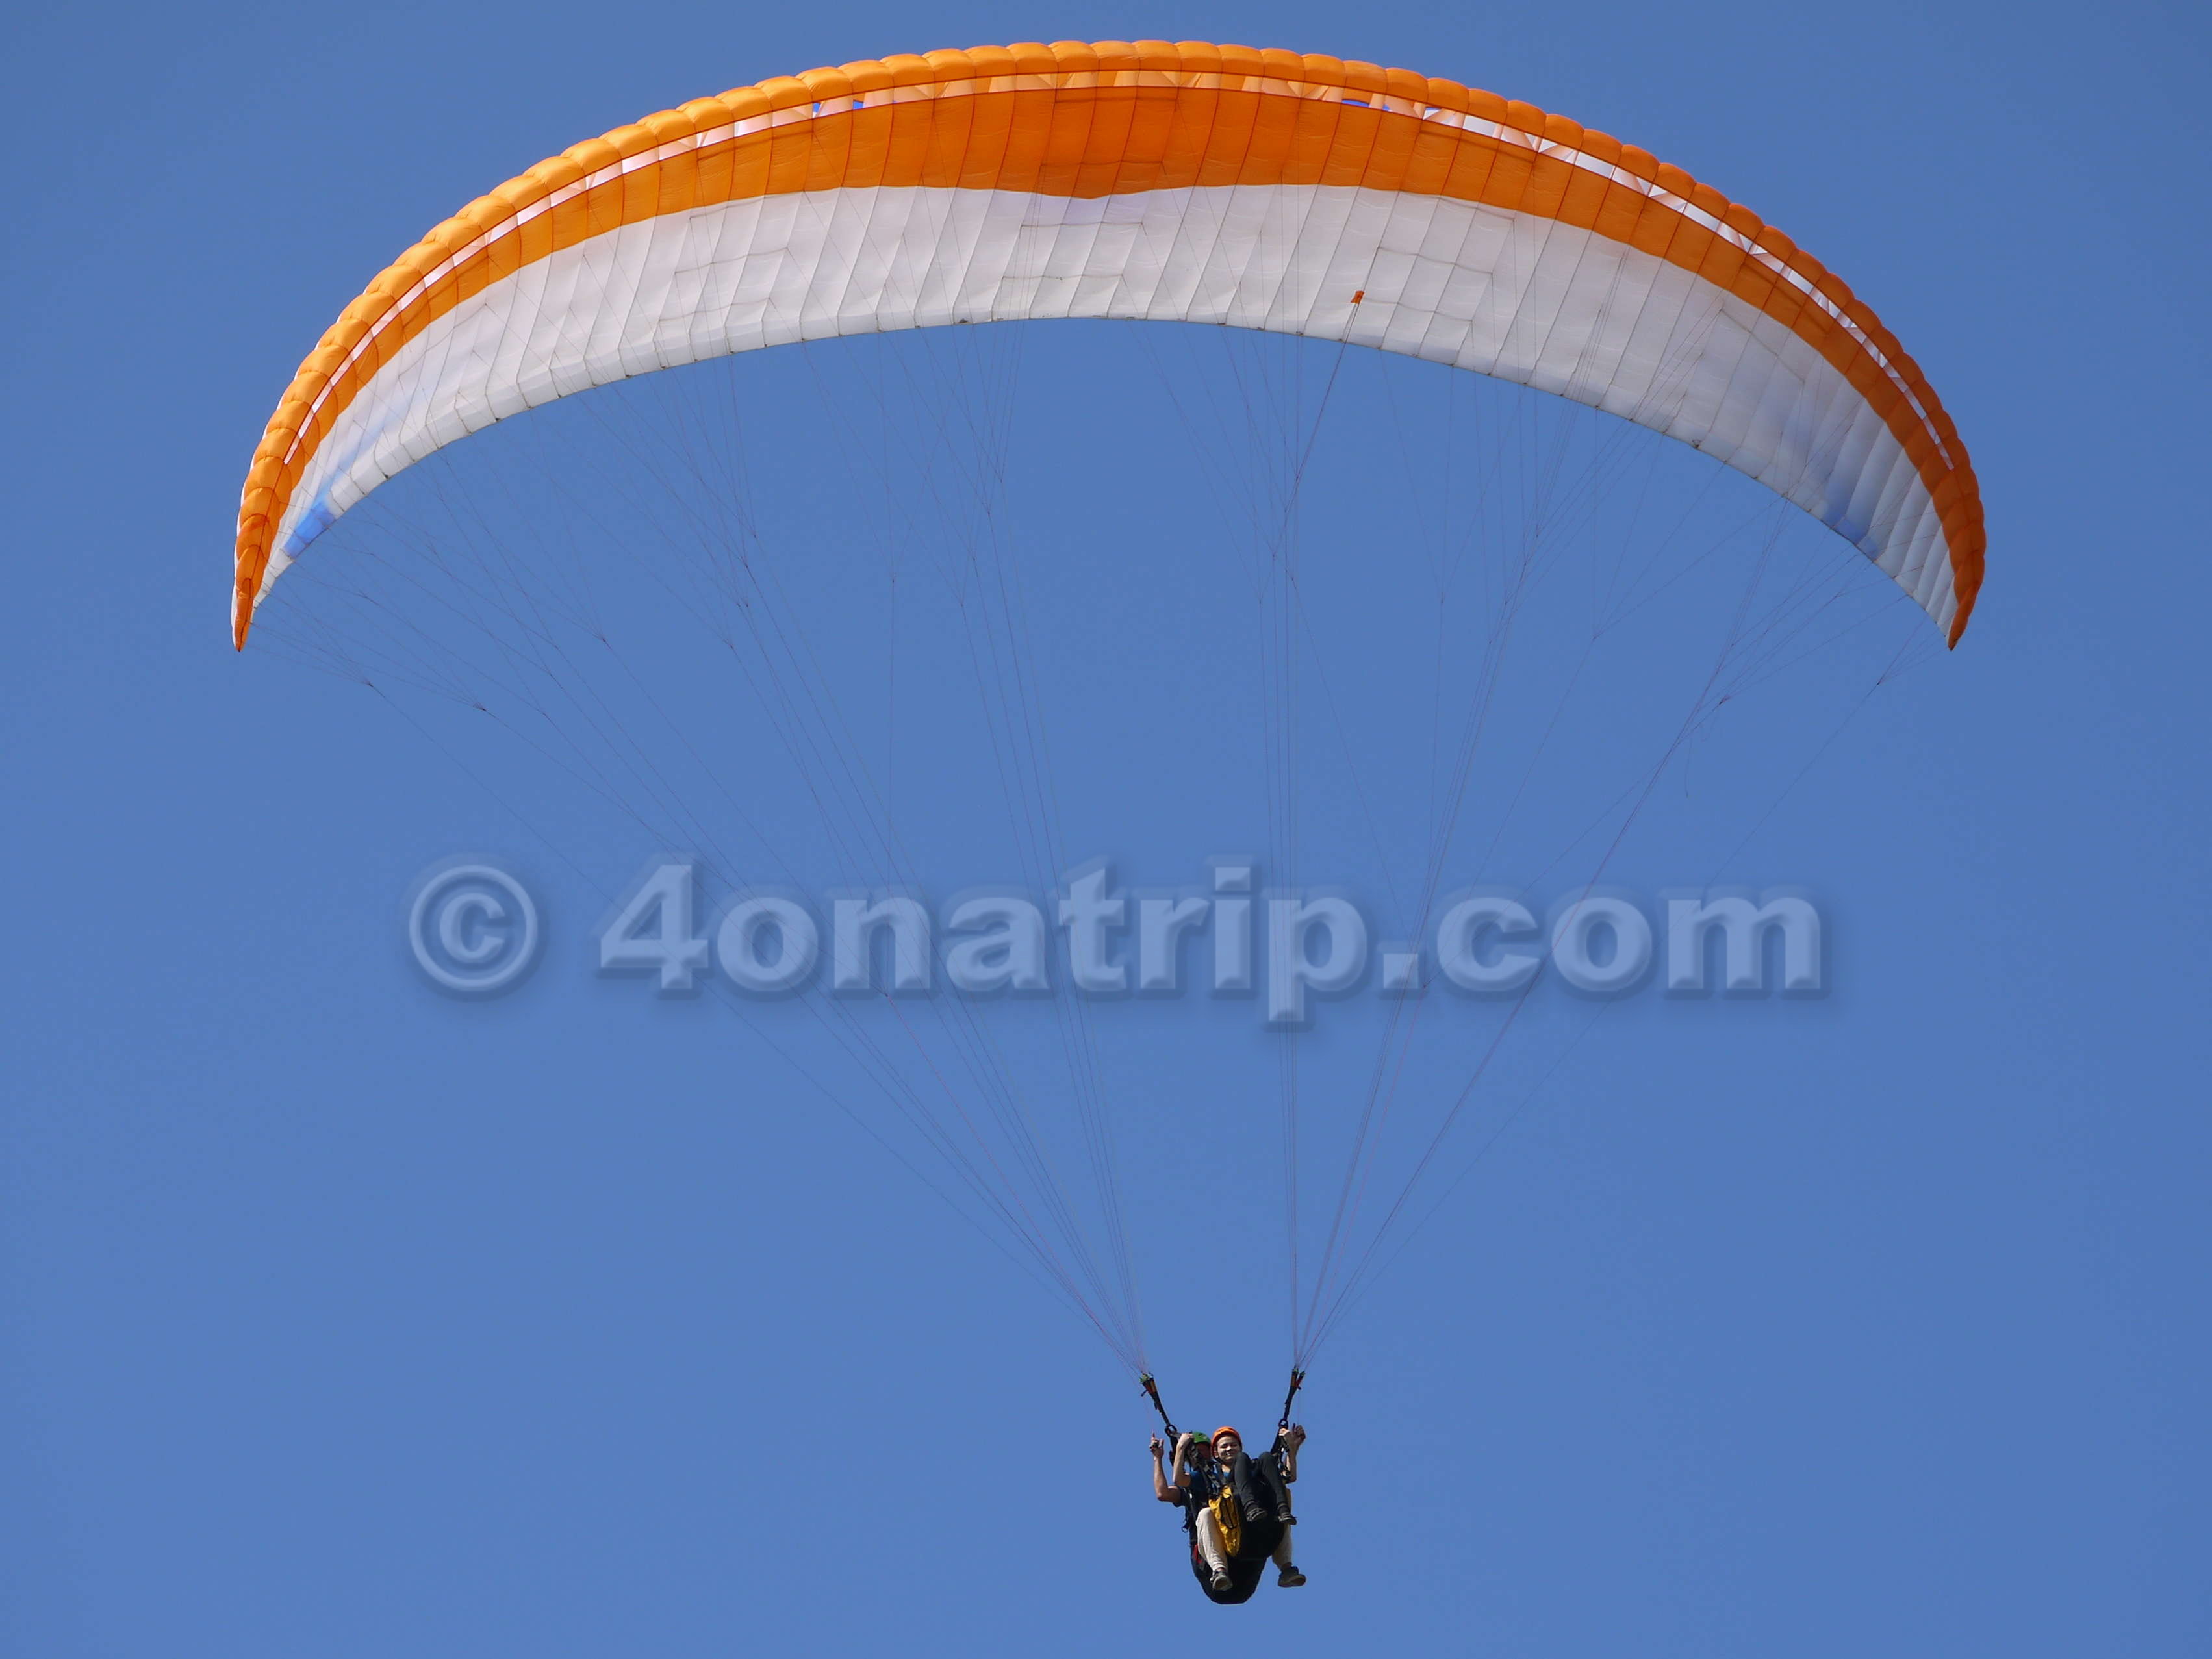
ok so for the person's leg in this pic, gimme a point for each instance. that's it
(1209, 1544)
(1286, 1572)
(1259, 1490)
(1271, 1471)
(1271, 1485)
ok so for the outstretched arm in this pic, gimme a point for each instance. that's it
(1162, 1489)
(1287, 1444)
(1182, 1479)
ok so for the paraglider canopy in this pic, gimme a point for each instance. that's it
(1189, 182)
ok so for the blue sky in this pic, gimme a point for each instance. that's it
(340, 1317)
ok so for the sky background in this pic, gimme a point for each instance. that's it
(339, 1317)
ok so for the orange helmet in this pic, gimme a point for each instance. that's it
(1226, 1429)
